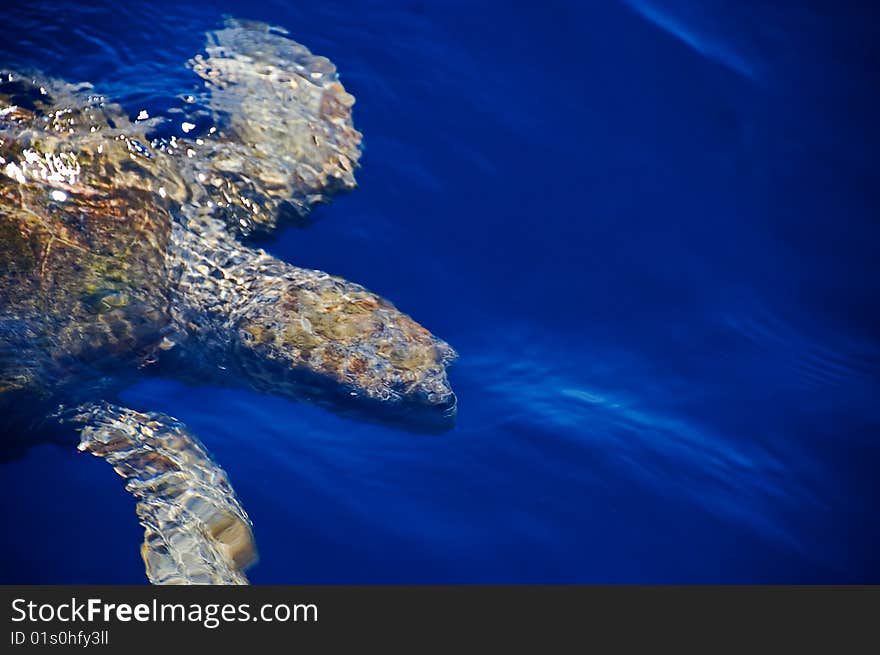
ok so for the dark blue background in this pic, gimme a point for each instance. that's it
(649, 227)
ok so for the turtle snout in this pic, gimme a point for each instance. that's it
(434, 393)
(437, 394)
(448, 406)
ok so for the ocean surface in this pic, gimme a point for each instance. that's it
(650, 229)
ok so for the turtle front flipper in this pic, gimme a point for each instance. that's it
(284, 137)
(196, 529)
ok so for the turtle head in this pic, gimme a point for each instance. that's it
(315, 336)
(286, 141)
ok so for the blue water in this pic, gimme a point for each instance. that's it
(650, 228)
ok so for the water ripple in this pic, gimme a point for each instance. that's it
(711, 47)
(733, 475)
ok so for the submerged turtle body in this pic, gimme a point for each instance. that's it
(82, 241)
(122, 254)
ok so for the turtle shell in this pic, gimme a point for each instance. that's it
(84, 227)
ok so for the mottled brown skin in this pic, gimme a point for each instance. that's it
(120, 255)
(305, 334)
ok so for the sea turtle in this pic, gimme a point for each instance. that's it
(124, 254)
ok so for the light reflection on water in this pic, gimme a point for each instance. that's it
(668, 371)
